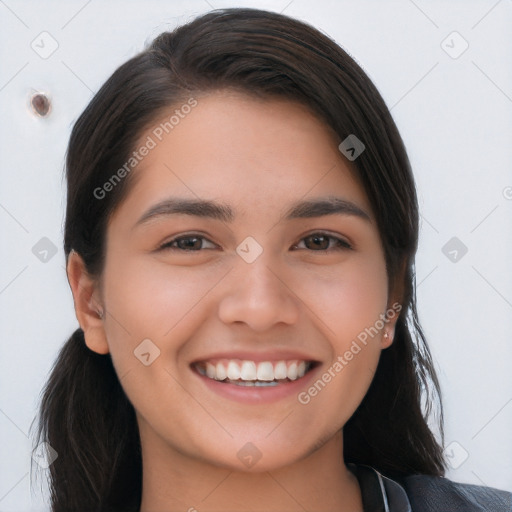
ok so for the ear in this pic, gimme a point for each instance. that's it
(394, 307)
(89, 311)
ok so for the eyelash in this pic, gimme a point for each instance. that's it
(342, 244)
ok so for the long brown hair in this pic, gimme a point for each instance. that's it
(84, 414)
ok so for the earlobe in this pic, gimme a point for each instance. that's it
(394, 307)
(387, 338)
(89, 311)
(391, 318)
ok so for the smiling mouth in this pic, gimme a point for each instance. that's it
(252, 373)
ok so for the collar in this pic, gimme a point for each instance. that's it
(379, 493)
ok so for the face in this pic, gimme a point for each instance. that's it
(255, 285)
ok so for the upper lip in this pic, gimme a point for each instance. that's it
(269, 355)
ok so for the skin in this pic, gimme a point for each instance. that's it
(258, 156)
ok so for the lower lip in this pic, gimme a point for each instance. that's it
(258, 394)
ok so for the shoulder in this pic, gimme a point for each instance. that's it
(430, 493)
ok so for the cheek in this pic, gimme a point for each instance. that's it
(151, 311)
(150, 300)
(143, 291)
(349, 304)
(348, 299)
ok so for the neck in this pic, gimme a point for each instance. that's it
(175, 482)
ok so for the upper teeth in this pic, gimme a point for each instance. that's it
(251, 371)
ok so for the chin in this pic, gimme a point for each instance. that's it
(253, 457)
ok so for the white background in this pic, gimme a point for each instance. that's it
(454, 115)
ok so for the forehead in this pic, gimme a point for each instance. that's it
(249, 152)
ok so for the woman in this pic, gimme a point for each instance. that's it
(240, 235)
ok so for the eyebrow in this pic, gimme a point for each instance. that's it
(218, 211)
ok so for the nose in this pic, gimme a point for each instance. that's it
(258, 295)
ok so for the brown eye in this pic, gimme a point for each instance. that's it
(321, 242)
(190, 243)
